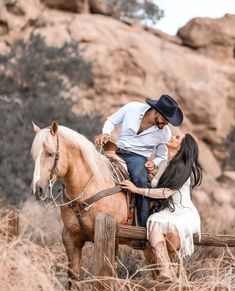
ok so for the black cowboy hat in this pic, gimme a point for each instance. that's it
(168, 108)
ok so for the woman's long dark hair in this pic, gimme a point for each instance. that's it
(185, 164)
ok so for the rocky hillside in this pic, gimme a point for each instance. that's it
(131, 62)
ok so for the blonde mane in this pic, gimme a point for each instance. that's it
(99, 164)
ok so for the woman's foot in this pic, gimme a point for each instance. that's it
(166, 274)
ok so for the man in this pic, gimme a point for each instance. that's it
(143, 128)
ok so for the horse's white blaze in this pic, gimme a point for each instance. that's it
(36, 173)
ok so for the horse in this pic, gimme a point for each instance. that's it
(60, 152)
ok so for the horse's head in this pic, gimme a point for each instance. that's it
(50, 160)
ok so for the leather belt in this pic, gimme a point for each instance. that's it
(122, 151)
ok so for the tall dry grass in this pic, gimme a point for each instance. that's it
(36, 260)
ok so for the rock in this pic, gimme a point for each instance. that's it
(101, 7)
(72, 5)
(227, 178)
(210, 165)
(55, 35)
(15, 16)
(222, 196)
(230, 175)
(163, 35)
(201, 197)
(218, 218)
(212, 37)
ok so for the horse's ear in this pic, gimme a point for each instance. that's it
(54, 127)
(36, 128)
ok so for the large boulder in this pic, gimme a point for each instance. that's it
(213, 37)
(15, 16)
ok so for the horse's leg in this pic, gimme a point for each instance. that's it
(73, 246)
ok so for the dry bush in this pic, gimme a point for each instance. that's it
(36, 260)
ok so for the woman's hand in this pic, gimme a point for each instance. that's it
(128, 185)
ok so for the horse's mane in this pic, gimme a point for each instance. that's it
(99, 164)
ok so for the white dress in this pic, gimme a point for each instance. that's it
(185, 219)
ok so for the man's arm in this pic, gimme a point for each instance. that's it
(162, 150)
(161, 154)
(111, 123)
(107, 130)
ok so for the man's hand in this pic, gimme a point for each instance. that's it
(102, 139)
(149, 165)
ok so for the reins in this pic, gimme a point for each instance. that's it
(75, 204)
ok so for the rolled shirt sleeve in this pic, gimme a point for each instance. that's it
(162, 150)
(162, 153)
(108, 127)
(115, 120)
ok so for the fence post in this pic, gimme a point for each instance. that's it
(104, 247)
(9, 217)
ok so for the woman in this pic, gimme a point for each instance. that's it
(175, 219)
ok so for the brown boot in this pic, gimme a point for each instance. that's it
(166, 273)
(174, 257)
(151, 258)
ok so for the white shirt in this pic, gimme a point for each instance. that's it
(129, 118)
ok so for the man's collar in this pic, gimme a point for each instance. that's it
(144, 109)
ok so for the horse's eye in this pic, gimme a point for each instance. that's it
(50, 155)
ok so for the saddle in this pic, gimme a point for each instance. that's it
(120, 172)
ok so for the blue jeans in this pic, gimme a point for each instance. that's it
(139, 175)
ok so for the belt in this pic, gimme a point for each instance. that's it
(122, 151)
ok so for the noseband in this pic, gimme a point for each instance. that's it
(50, 179)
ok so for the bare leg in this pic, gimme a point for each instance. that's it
(73, 246)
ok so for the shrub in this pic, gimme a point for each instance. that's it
(33, 80)
(137, 9)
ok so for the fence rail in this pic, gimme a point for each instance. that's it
(107, 235)
(207, 239)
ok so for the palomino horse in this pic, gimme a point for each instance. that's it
(60, 152)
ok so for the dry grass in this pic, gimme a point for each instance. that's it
(36, 260)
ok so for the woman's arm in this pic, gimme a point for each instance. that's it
(156, 193)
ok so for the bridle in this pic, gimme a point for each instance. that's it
(57, 156)
(52, 203)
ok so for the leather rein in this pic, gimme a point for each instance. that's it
(75, 203)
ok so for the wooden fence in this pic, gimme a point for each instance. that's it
(107, 234)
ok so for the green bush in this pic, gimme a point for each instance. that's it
(31, 89)
(136, 9)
